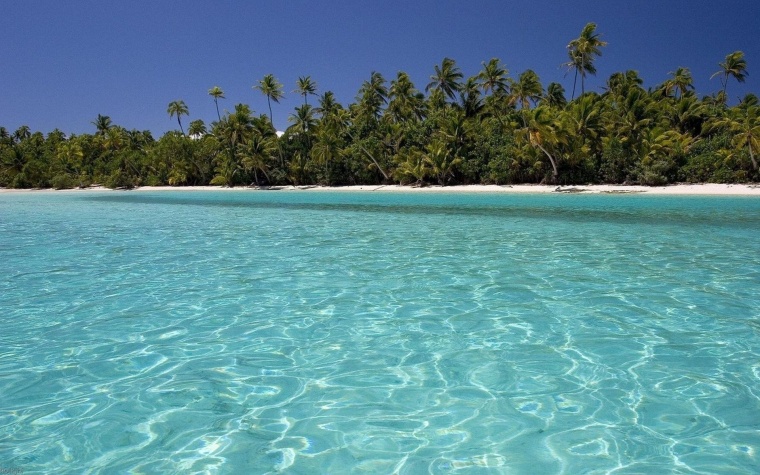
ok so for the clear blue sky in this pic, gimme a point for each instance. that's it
(63, 63)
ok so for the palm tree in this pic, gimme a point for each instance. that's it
(555, 96)
(217, 93)
(305, 86)
(372, 96)
(303, 120)
(197, 128)
(493, 77)
(179, 109)
(743, 123)
(272, 89)
(411, 165)
(69, 154)
(343, 121)
(256, 154)
(446, 78)
(527, 89)
(540, 131)
(406, 102)
(582, 52)
(679, 84)
(441, 161)
(327, 105)
(734, 66)
(326, 149)
(469, 94)
(22, 133)
(102, 123)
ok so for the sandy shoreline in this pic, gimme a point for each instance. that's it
(681, 189)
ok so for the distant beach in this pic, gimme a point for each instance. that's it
(680, 189)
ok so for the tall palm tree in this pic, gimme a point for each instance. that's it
(734, 66)
(446, 78)
(305, 86)
(217, 93)
(582, 52)
(179, 109)
(272, 89)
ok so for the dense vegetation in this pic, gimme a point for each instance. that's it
(489, 128)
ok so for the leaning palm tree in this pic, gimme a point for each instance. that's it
(179, 109)
(305, 86)
(540, 131)
(735, 66)
(446, 78)
(272, 89)
(217, 93)
(582, 52)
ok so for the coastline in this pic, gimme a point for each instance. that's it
(707, 189)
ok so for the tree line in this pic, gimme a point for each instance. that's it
(488, 128)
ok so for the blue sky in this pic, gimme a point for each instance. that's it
(63, 63)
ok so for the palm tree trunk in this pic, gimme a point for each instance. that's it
(180, 125)
(752, 154)
(217, 109)
(725, 85)
(555, 174)
(575, 81)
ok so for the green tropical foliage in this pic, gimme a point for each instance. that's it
(486, 128)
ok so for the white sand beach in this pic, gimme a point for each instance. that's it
(679, 189)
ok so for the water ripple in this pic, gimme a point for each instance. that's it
(228, 333)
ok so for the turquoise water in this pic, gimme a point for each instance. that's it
(257, 332)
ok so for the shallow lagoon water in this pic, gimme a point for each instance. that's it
(337, 332)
